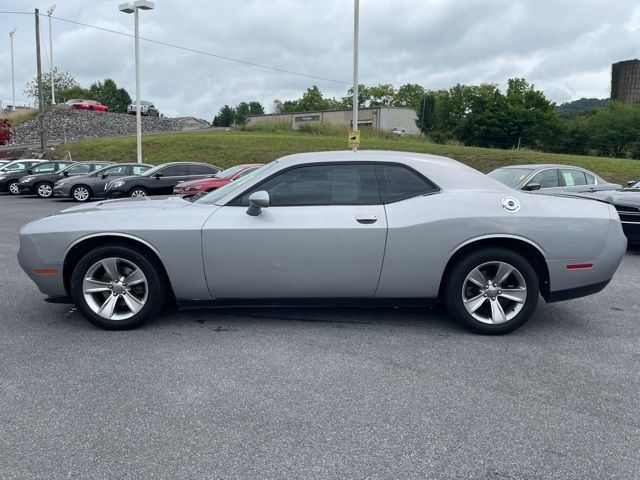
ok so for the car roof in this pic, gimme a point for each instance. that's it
(186, 163)
(537, 166)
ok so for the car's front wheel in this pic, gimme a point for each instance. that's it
(13, 188)
(44, 190)
(81, 193)
(118, 287)
(138, 192)
(492, 291)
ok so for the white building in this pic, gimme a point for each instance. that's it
(379, 118)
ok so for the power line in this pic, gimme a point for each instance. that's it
(187, 49)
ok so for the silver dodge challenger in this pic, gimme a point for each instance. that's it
(370, 227)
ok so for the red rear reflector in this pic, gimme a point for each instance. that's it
(579, 266)
(46, 271)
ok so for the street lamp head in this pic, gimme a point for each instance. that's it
(127, 8)
(144, 4)
(50, 11)
(12, 32)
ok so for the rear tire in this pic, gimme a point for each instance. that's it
(44, 190)
(118, 287)
(492, 291)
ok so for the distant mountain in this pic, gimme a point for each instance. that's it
(581, 106)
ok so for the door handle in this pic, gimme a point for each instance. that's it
(366, 219)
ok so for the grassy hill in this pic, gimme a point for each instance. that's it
(226, 148)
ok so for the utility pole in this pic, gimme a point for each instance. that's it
(39, 66)
(53, 93)
(356, 28)
(13, 79)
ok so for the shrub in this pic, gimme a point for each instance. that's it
(270, 126)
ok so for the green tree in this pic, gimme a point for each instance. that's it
(382, 95)
(426, 113)
(409, 95)
(225, 117)
(242, 110)
(364, 97)
(312, 100)
(62, 82)
(256, 108)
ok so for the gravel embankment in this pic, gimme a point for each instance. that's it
(68, 124)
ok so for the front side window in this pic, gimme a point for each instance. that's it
(138, 169)
(44, 168)
(174, 171)
(546, 178)
(399, 183)
(340, 184)
(15, 167)
(115, 171)
(78, 169)
(572, 177)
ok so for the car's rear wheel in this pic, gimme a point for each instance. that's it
(13, 189)
(44, 190)
(138, 192)
(492, 291)
(118, 287)
(81, 193)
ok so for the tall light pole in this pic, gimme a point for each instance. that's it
(356, 28)
(13, 80)
(133, 8)
(53, 93)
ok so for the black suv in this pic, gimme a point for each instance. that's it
(41, 178)
(11, 173)
(159, 180)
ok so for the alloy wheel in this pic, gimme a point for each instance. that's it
(115, 288)
(13, 188)
(138, 193)
(81, 194)
(494, 292)
(44, 190)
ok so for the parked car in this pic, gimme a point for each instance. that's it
(85, 187)
(3, 163)
(193, 187)
(146, 108)
(551, 178)
(399, 131)
(316, 227)
(159, 180)
(92, 105)
(11, 173)
(41, 179)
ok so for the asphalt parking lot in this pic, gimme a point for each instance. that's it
(332, 393)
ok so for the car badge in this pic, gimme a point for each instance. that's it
(511, 204)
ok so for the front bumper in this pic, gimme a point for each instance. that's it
(61, 191)
(48, 277)
(632, 231)
(26, 189)
(115, 193)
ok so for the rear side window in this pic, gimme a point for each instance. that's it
(138, 169)
(202, 170)
(79, 168)
(44, 168)
(591, 180)
(174, 171)
(573, 177)
(339, 184)
(399, 183)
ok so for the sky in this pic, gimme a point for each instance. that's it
(564, 47)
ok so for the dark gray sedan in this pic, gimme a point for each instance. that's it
(551, 178)
(85, 187)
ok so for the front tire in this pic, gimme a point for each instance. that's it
(44, 190)
(118, 287)
(81, 193)
(492, 291)
(138, 192)
(13, 189)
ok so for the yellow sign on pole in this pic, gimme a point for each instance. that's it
(354, 138)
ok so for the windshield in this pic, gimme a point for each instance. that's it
(152, 171)
(218, 193)
(510, 176)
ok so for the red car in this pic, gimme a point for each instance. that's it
(193, 187)
(87, 105)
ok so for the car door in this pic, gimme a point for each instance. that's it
(99, 180)
(169, 178)
(323, 236)
(574, 181)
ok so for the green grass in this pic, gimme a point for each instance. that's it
(227, 148)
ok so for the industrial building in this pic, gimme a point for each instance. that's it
(379, 118)
(625, 81)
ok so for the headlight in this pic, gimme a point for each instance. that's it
(192, 189)
(116, 184)
(26, 179)
(2, 177)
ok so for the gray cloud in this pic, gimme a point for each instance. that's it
(565, 47)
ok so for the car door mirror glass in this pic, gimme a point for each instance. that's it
(532, 186)
(257, 201)
(158, 176)
(65, 173)
(631, 183)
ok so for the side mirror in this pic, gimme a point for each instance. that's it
(65, 173)
(158, 175)
(104, 175)
(257, 201)
(631, 183)
(531, 186)
(29, 171)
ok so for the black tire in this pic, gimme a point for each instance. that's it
(44, 189)
(76, 193)
(138, 192)
(488, 259)
(156, 286)
(12, 188)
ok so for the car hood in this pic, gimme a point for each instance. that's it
(629, 197)
(158, 203)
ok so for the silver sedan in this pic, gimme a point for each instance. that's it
(369, 227)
